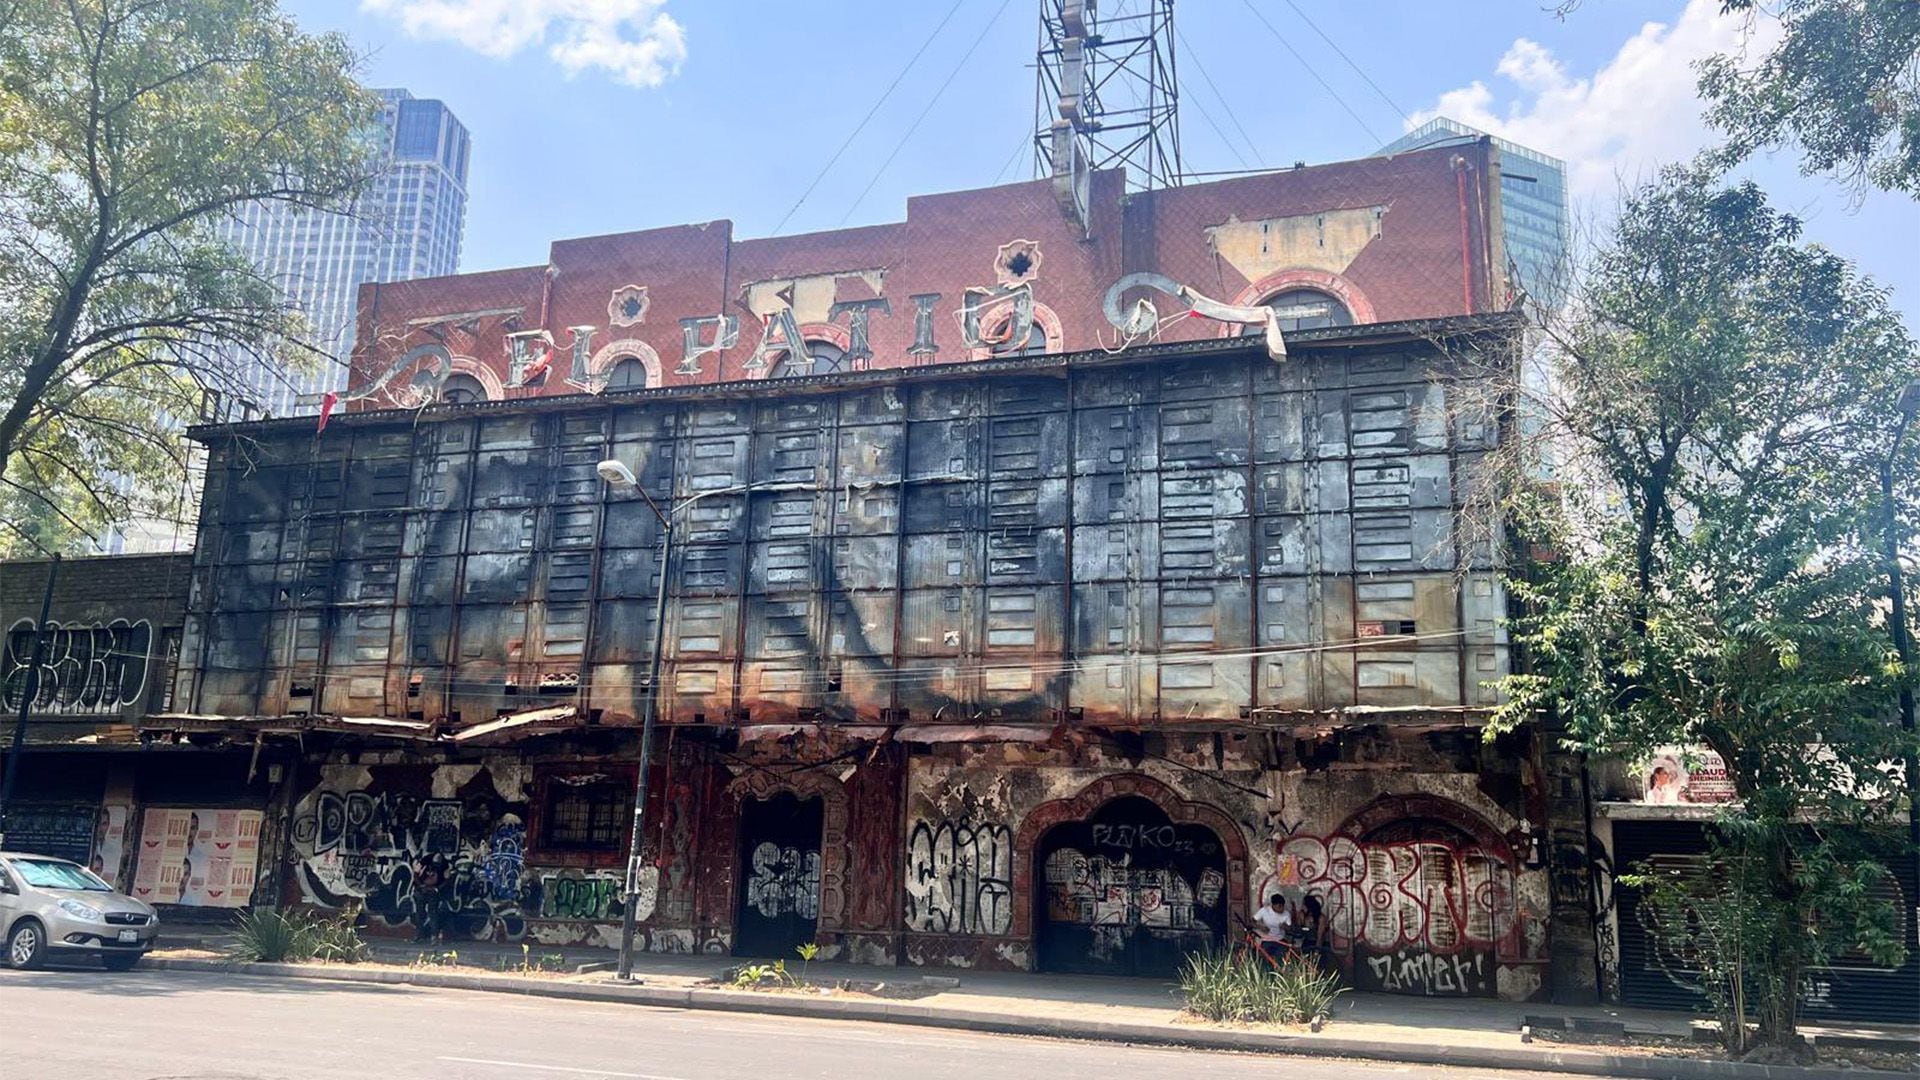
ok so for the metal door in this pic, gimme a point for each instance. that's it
(1656, 974)
(1128, 892)
(779, 905)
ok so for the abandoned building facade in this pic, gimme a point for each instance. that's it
(1039, 596)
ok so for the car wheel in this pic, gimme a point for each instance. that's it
(120, 961)
(26, 946)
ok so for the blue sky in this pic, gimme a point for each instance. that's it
(598, 116)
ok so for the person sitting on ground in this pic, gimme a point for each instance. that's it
(1276, 923)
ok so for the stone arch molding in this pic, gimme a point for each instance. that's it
(1079, 807)
(490, 379)
(836, 850)
(601, 365)
(1389, 809)
(1338, 286)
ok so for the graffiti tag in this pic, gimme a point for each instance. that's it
(960, 878)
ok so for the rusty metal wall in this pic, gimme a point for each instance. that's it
(1192, 540)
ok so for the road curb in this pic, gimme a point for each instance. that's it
(1582, 1062)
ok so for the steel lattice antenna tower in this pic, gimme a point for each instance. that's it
(1106, 95)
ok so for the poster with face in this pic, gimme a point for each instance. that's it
(1664, 780)
(110, 843)
(1681, 776)
(200, 858)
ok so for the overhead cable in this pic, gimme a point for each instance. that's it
(931, 102)
(1324, 84)
(1194, 58)
(1391, 104)
(862, 125)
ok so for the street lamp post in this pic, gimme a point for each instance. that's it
(619, 477)
(1909, 406)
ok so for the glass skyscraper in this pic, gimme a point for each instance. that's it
(1533, 205)
(408, 225)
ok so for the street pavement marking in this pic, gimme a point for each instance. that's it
(556, 1068)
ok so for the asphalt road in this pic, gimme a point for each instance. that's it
(92, 1025)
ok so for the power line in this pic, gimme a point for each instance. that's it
(862, 125)
(1194, 58)
(931, 102)
(1232, 149)
(1026, 143)
(1356, 67)
(1324, 84)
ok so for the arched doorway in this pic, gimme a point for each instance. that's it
(1420, 895)
(1127, 891)
(778, 906)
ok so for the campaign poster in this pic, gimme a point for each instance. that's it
(1685, 776)
(110, 843)
(198, 858)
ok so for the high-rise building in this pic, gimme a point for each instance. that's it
(407, 225)
(1533, 204)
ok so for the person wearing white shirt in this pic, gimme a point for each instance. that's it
(1276, 921)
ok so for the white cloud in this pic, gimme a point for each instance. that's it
(635, 41)
(1640, 110)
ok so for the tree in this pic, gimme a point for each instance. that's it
(128, 130)
(1843, 83)
(1722, 396)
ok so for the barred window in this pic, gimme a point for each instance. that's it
(585, 816)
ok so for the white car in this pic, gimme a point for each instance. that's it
(51, 907)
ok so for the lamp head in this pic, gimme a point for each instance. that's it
(616, 474)
(1909, 403)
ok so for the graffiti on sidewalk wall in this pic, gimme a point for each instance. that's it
(960, 878)
(1438, 896)
(1415, 971)
(1419, 916)
(572, 895)
(1096, 890)
(444, 866)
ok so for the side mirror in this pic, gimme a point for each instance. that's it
(7, 887)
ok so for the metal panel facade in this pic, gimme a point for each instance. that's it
(1187, 540)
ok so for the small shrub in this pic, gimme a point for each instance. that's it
(449, 958)
(807, 952)
(529, 964)
(751, 976)
(338, 939)
(270, 936)
(1243, 987)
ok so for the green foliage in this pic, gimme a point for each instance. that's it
(1725, 397)
(336, 939)
(129, 129)
(807, 952)
(1843, 84)
(753, 976)
(271, 936)
(1721, 915)
(530, 964)
(1241, 986)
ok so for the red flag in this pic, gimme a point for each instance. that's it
(535, 373)
(327, 402)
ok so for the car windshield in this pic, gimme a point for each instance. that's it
(55, 874)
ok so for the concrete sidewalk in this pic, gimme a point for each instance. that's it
(1376, 1026)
